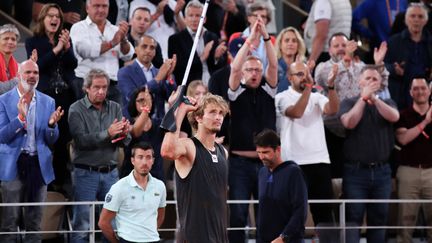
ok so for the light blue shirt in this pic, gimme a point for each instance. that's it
(30, 142)
(136, 209)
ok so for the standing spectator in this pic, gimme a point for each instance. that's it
(341, 51)
(251, 96)
(136, 202)
(326, 18)
(56, 62)
(27, 131)
(399, 23)
(303, 138)
(380, 16)
(290, 48)
(166, 17)
(145, 128)
(413, 176)
(71, 10)
(9, 37)
(201, 172)
(367, 149)
(409, 55)
(142, 72)
(140, 22)
(210, 54)
(98, 130)
(282, 194)
(257, 11)
(99, 44)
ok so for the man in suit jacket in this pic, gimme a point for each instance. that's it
(210, 54)
(27, 131)
(142, 72)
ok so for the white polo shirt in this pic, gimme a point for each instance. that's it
(136, 209)
(303, 139)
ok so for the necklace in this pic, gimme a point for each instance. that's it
(213, 155)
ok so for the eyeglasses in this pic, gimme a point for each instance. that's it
(250, 70)
(51, 16)
(298, 74)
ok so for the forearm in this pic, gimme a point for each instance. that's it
(272, 68)
(333, 103)
(297, 110)
(125, 47)
(387, 112)
(353, 117)
(181, 25)
(169, 148)
(405, 136)
(317, 47)
(108, 232)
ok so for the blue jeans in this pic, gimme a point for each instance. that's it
(88, 186)
(367, 183)
(243, 182)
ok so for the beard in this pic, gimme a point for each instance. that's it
(27, 87)
(215, 130)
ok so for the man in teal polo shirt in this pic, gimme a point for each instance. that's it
(137, 202)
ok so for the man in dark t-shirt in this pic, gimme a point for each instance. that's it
(201, 171)
(367, 149)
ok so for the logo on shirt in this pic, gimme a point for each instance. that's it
(108, 198)
(156, 194)
(133, 197)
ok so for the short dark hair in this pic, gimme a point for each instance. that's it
(267, 138)
(336, 34)
(142, 145)
(140, 8)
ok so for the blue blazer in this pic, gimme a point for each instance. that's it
(13, 134)
(132, 77)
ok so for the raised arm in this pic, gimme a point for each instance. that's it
(240, 58)
(182, 150)
(271, 73)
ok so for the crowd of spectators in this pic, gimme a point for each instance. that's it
(340, 107)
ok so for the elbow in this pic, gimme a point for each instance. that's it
(167, 152)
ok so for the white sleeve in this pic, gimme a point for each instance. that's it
(86, 44)
(321, 101)
(322, 10)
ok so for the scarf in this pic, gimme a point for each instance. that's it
(13, 68)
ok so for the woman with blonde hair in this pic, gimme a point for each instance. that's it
(290, 47)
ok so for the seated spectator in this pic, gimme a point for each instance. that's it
(166, 19)
(142, 72)
(144, 129)
(71, 10)
(289, 47)
(210, 54)
(56, 62)
(409, 55)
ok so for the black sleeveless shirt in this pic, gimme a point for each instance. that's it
(201, 198)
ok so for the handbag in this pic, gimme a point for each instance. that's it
(57, 84)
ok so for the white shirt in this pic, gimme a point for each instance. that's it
(87, 40)
(303, 139)
(147, 71)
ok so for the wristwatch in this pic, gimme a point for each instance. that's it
(285, 238)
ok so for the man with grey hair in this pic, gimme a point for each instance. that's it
(28, 127)
(409, 55)
(98, 130)
(99, 44)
